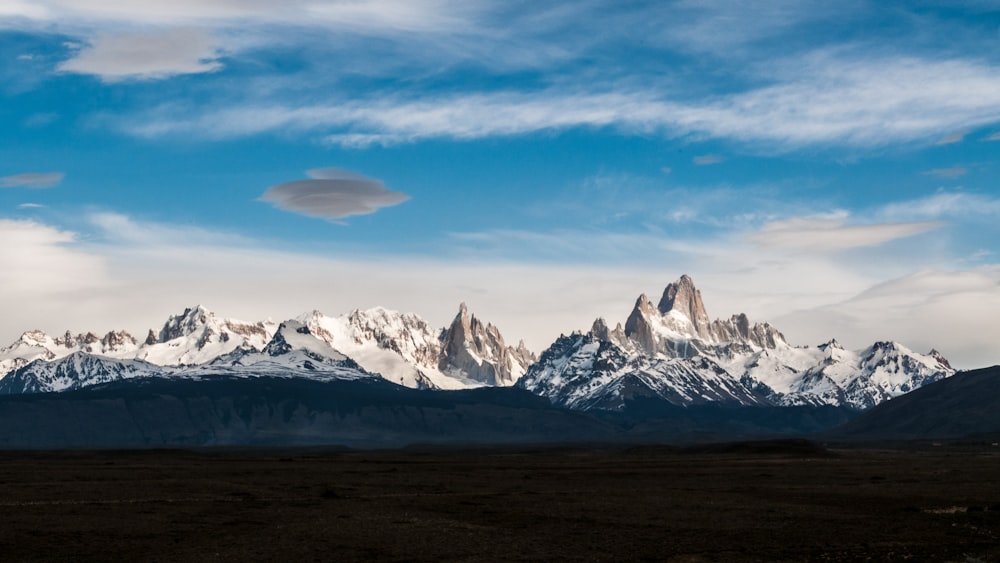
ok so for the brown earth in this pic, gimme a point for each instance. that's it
(751, 502)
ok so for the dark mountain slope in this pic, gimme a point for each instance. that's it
(964, 404)
(274, 411)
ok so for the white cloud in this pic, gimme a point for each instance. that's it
(32, 180)
(40, 262)
(148, 55)
(833, 233)
(412, 15)
(22, 9)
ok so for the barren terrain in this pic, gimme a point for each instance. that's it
(785, 500)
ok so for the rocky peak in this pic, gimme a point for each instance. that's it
(478, 351)
(738, 330)
(279, 345)
(67, 340)
(601, 331)
(638, 327)
(33, 338)
(684, 298)
(193, 319)
(940, 359)
(117, 340)
(832, 344)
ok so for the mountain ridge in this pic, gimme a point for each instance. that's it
(671, 351)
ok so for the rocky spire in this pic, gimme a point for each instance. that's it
(601, 331)
(478, 351)
(684, 298)
(637, 326)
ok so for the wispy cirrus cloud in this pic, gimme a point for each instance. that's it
(953, 205)
(835, 100)
(32, 180)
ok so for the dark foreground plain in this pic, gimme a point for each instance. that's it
(770, 501)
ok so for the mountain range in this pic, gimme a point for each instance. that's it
(669, 353)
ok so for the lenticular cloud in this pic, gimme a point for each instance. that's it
(333, 193)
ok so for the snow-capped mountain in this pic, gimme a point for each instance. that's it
(588, 371)
(37, 345)
(292, 352)
(193, 337)
(75, 371)
(405, 349)
(197, 336)
(670, 352)
(401, 347)
(673, 352)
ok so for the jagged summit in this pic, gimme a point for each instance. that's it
(683, 298)
(479, 352)
(679, 326)
(197, 335)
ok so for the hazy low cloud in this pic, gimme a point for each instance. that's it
(30, 206)
(994, 137)
(948, 172)
(149, 55)
(333, 194)
(833, 233)
(945, 310)
(32, 180)
(707, 159)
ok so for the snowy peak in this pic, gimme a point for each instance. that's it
(295, 336)
(197, 335)
(37, 345)
(75, 371)
(203, 324)
(30, 346)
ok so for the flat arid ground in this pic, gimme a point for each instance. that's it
(751, 502)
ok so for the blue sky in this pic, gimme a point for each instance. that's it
(829, 167)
